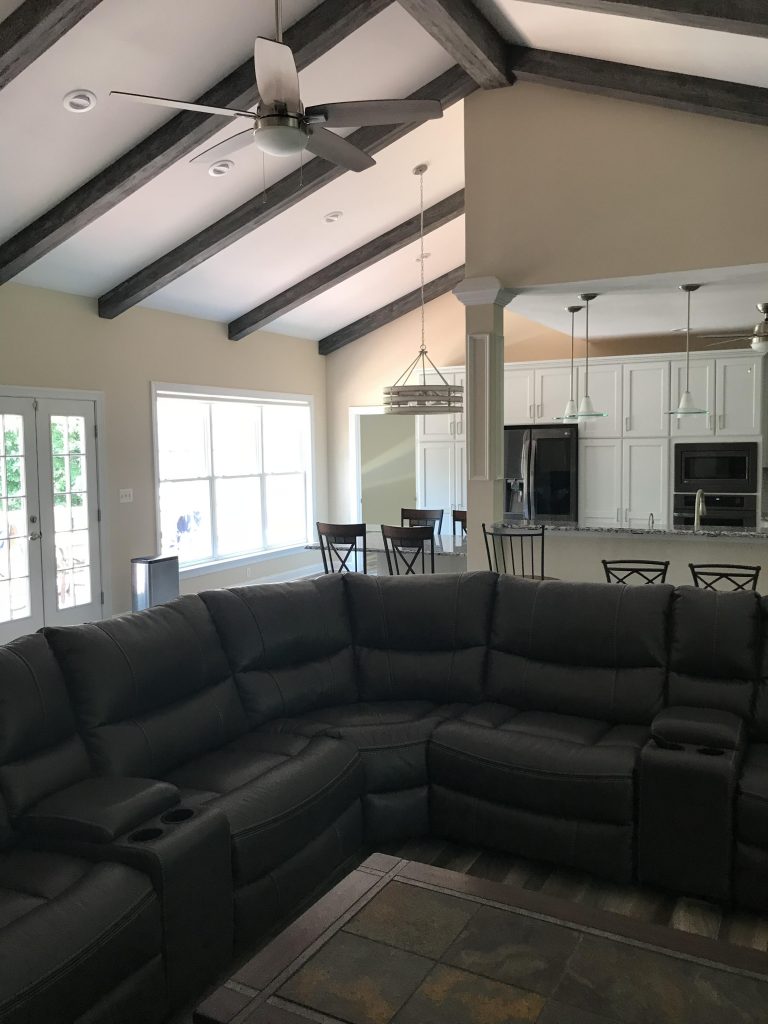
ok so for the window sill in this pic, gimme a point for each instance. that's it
(224, 564)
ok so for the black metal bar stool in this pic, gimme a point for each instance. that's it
(404, 544)
(343, 547)
(720, 576)
(422, 517)
(508, 549)
(635, 570)
(460, 520)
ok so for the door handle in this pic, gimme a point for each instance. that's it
(710, 425)
(626, 515)
(540, 411)
(618, 515)
(721, 421)
(627, 421)
(530, 412)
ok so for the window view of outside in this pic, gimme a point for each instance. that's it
(70, 511)
(234, 476)
(14, 545)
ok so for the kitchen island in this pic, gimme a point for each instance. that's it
(574, 552)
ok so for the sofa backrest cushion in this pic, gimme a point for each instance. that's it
(40, 751)
(289, 645)
(150, 690)
(597, 650)
(759, 724)
(421, 637)
(715, 649)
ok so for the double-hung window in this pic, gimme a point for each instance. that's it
(234, 473)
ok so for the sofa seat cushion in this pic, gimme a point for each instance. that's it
(752, 798)
(391, 737)
(277, 791)
(70, 933)
(552, 764)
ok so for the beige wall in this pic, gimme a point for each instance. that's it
(53, 340)
(387, 467)
(564, 186)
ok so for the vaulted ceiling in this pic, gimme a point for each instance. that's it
(106, 204)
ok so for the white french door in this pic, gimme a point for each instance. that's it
(50, 559)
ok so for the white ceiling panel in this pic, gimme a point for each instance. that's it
(650, 44)
(630, 307)
(300, 242)
(185, 198)
(176, 48)
(367, 291)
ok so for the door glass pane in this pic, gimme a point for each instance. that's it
(238, 515)
(14, 544)
(286, 510)
(71, 539)
(185, 520)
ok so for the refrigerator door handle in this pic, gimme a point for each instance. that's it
(531, 488)
(524, 471)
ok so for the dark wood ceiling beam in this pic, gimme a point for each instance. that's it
(310, 38)
(625, 81)
(467, 35)
(746, 17)
(32, 28)
(392, 311)
(450, 87)
(342, 269)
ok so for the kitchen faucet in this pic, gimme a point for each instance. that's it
(699, 510)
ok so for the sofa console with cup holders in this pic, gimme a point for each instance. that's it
(174, 783)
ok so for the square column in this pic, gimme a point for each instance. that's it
(484, 299)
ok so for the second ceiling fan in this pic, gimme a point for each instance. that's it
(282, 126)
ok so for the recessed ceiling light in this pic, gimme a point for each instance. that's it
(220, 168)
(79, 101)
(333, 216)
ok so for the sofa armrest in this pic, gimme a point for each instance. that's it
(701, 727)
(98, 810)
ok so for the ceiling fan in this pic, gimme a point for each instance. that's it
(758, 335)
(282, 126)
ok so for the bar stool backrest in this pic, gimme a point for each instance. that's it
(635, 570)
(721, 576)
(460, 519)
(514, 551)
(422, 517)
(405, 548)
(343, 547)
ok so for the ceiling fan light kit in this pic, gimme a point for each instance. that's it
(422, 398)
(686, 405)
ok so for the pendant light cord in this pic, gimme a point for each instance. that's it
(279, 20)
(573, 330)
(423, 349)
(688, 346)
(586, 364)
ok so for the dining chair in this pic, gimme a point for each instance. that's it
(460, 519)
(710, 576)
(509, 547)
(635, 570)
(343, 547)
(404, 546)
(422, 517)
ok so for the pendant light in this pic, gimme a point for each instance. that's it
(419, 399)
(687, 406)
(570, 415)
(587, 409)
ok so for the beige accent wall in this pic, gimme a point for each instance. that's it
(565, 186)
(52, 340)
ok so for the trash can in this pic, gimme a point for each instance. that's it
(154, 580)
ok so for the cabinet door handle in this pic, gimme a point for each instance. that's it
(626, 515)
(540, 411)
(709, 422)
(721, 421)
(626, 423)
(452, 426)
(618, 515)
(530, 412)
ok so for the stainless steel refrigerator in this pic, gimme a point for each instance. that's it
(541, 473)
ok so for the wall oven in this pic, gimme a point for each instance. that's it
(722, 510)
(716, 467)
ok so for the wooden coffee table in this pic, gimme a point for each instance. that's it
(397, 942)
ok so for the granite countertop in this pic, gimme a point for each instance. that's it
(722, 533)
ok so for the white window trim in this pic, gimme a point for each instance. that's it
(160, 389)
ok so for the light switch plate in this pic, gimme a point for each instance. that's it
(126, 495)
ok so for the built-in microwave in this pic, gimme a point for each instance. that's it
(717, 467)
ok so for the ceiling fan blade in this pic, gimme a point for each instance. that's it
(276, 77)
(198, 108)
(338, 151)
(361, 113)
(225, 147)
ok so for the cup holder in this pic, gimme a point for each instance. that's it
(176, 815)
(712, 751)
(146, 835)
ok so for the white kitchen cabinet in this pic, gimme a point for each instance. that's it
(552, 391)
(645, 482)
(646, 399)
(441, 427)
(738, 395)
(518, 397)
(702, 388)
(600, 502)
(441, 478)
(605, 388)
